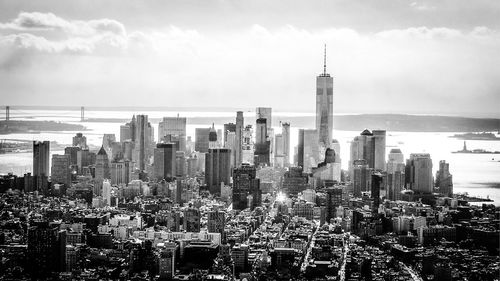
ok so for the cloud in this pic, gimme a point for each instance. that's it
(420, 6)
(99, 36)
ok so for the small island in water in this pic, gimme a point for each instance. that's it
(475, 151)
(34, 127)
(476, 136)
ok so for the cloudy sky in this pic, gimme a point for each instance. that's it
(398, 56)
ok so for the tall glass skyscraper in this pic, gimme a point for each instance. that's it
(324, 107)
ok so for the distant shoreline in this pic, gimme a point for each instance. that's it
(348, 122)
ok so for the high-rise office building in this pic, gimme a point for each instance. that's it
(85, 159)
(229, 127)
(217, 168)
(106, 192)
(216, 222)
(369, 146)
(361, 177)
(46, 249)
(246, 184)
(247, 155)
(395, 174)
(230, 143)
(107, 143)
(167, 260)
(213, 141)
(201, 142)
(72, 152)
(61, 170)
(180, 164)
(444, 180)
(192, 220)
(324, 107)
(395, 184)
(376, 183)
(266, 113)
(279, 158)
(262, 143)
(239, 138)
(285, 132)
(41, 154)
(80, 140)
(120, 172)
(379, 141)
(165, 166)
(395, 160)
(173, 126)
(143, 148)
(418, 173)
(333, 201)
(308, 149)
(295, 181)
(102, 170)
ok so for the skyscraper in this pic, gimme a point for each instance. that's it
(229, 127)
(247, 154)
(106, 192)
(295, 181)
(379, 141)
(375, 190)
(395, 174)
(369, 146)
(61, 170)
(333, 201)
(101, 170)
(266, 113)
(262, 143)
(418, 173)
(192, 220)
(212, 138)
(308, 149)
(324, 107)
(278, 151)
(173, 126)
(444, 180)
(230, 143)
(165, 161)
(143, 148)
(120, 172)
(245, 183)
(239, 138)
(41, 154)
(46, 249)
(80, 140)
(285, 132)
(216, 222)
(361, 177)
(201, 143)
(395, 160)
(217, 168)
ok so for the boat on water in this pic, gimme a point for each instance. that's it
(475, 151)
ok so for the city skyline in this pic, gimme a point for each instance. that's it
(250, 140)
(387, 66)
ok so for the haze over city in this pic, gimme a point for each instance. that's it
(419, 57)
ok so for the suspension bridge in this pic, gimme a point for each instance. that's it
(13, 113)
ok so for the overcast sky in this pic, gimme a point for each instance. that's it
(425, 57)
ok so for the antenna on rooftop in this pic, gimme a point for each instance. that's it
(324, 63)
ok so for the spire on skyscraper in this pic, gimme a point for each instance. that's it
(324, 63)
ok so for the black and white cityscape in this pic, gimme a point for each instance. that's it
(249, 140)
